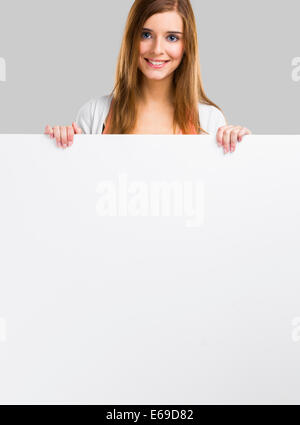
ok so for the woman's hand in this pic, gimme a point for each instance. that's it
(63, 134)
(229, 135)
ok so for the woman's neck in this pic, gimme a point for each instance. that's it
(157, 92)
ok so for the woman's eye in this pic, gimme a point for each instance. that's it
(174, 36)
(144, 33)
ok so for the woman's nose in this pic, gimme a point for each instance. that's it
(157, 47)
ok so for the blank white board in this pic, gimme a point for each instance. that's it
(113, 292)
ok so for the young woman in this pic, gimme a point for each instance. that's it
(158, 86)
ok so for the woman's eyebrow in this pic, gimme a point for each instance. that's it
(167, 32)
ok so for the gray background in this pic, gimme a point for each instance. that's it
(60, 54)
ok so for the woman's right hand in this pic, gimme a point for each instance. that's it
(63, 134)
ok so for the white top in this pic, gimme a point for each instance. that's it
(91, 116)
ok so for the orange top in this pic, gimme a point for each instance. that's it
(105, 131)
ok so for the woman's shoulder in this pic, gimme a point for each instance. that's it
(95, 105)
(92, 114)
(211, 118)
(210, 110)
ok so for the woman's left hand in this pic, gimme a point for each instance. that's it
(229, 135)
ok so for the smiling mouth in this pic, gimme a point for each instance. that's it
(157, 61)
(156, 65)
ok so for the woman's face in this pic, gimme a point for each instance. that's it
(164, 43)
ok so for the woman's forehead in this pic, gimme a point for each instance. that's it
(168, 21)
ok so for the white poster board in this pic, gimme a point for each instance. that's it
(113, 292)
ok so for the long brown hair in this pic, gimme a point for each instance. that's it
(187, 81)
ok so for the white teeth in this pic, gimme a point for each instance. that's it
(156, 63)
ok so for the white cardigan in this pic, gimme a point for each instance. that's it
(91, 116)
